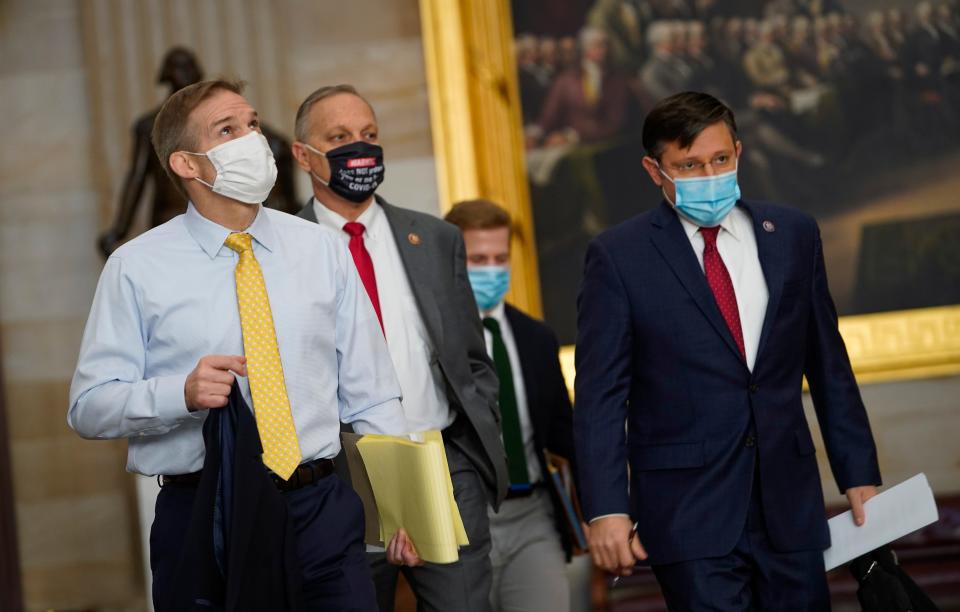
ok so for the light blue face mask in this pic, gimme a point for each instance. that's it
(490, 284)
(705, 200)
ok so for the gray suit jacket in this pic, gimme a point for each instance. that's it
(435, 261)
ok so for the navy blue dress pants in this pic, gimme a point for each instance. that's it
(753, 576)
(328, 517)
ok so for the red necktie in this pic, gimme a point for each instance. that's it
(719, 280)
(361, 257)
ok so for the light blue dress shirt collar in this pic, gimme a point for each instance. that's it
(210, 235)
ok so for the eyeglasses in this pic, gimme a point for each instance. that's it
(720, 163)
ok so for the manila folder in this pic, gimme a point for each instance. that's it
(411, 485)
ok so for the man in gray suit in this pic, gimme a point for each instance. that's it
(414, 270)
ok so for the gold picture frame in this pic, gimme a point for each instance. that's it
(478, 144)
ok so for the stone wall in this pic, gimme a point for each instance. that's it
(78, 540)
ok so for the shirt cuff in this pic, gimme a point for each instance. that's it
(386, 418)
(170, 400)
(597, 518)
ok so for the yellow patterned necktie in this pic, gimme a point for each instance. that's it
(271, 407)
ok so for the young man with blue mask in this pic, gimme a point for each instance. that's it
(528, 536)
(697, 323)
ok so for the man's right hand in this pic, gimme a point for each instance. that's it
(208, 385)
(612, 547)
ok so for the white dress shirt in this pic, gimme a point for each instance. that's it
(737, 246)
(519, 388)
(168, 298)
(421, 381)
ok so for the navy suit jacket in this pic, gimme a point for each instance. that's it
(240, 551)
(548, 401)
(654, 351)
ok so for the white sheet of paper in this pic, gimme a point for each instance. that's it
(891, 514)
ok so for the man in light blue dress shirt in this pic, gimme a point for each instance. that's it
(163, 342)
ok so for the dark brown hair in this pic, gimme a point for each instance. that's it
(682, 117)
(170, 133)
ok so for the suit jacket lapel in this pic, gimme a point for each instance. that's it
(418, 266)
(672, 242)
(307, 212)
(770, 252)
(528, 361)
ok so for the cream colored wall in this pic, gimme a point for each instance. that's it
(74, 76)
(916, 425)
(382, 56)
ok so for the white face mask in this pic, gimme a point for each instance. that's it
(246, 170)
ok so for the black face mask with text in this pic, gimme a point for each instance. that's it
(356, 170)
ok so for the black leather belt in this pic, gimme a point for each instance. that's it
(305, 474)
(519, 491)
(180, 480)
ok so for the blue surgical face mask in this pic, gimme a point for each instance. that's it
(490, 284)
(705, 200)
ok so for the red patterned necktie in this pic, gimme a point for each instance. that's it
(719, 280)
(361, 257)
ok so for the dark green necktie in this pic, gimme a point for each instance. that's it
(509, 415)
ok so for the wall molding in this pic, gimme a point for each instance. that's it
(883, 347)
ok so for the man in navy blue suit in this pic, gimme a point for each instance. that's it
(697, 322)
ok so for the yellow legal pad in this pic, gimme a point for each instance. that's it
(411, 488)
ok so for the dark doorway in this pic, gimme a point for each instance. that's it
(11, 597)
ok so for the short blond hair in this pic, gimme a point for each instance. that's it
(479, 214)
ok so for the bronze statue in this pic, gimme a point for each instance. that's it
(181, 68)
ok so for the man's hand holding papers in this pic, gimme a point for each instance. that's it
(857, 496)
(402, 551)
(404, 483)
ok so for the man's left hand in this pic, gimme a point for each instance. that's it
(857, 497)
(401, 550)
